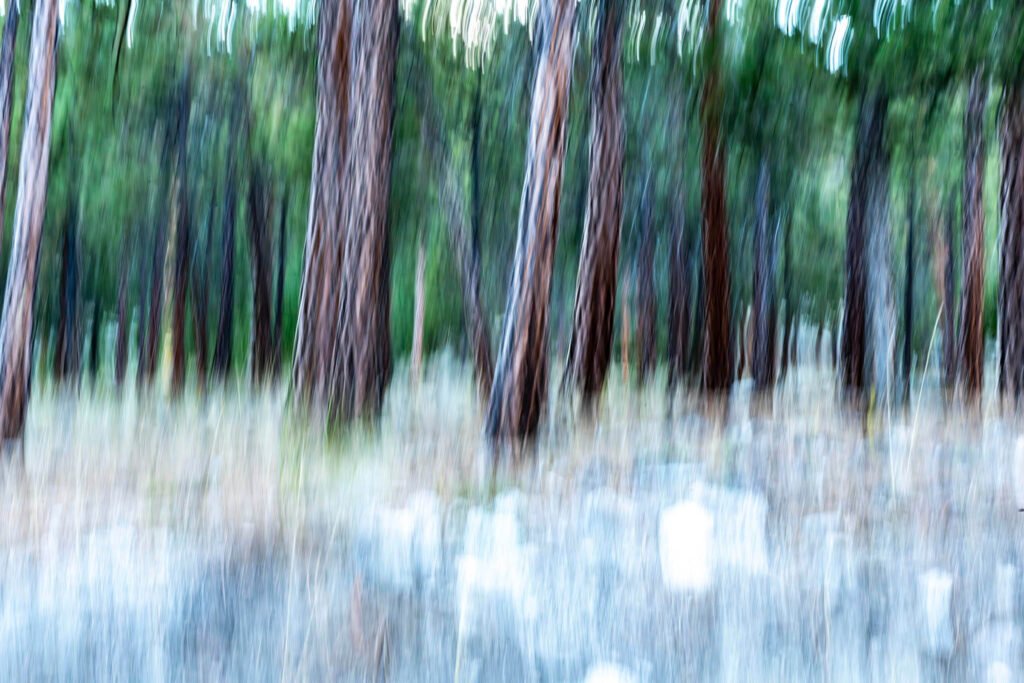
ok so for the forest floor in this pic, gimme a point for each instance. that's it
(216, 538)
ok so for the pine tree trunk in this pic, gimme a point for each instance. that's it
(282, 264)
(19, 294)
(678, 304)
(94, 341)
(183, 238)
(718, 349)
(362, 363)
(123, 323)
(319, 298)
(419, 312)
(867, 219)
(908, 293)
(200, 301)
(765, 234)
(590, 346)
(787, 293)
(520, 379)
(647, 305)
(66, 348)
(7, 59)
(224, 345)
(262, 339)
(1011, 272)
(972, 333)
(949, 356)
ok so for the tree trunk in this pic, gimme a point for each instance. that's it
(590, 345)
(949, 359)
(972, 333)
(1011, 272)
(262, 340)
(183, 238)
(520, 379)
(94, 341)
(319, 296)
(223, 346)
(282, 251)
(908, 292)
(419, 311)
(718, 349)
(646, 302)
(787, 293)
(362, 363)
(678, 304)
(7, 59)
(19, 294)
(123, 323)
(200, 301)
(465, 241)
(866, 225)
(66, 347)
(765, 236)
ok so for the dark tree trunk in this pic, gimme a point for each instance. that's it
(908, 293)
(224, 344)
(818, 338)
(864, 220)
(718, 348)
(19, 295)
(972, 333)
(362, 362)
(949, 358)
(123, 323)
(787, 293)
(200, 301)
(646, 302)
(183, 238)
(66, 348)
(520, 379)
(765, 234)
(262, 340)
(678, 304)
(7, 58)
(319, 298)
(419, 311)
(695, 354)
(1011, 272)
(590, 346)
(282, 251)
(94, 341)
(155, 306)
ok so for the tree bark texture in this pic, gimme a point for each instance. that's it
(1011, 271)
(520, 379)
(19, 295)
(590, 346)
(972, 333)
(764, 310)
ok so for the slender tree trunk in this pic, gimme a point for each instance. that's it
(362, 363)
(625, 342)
(972, 333)
(262, 339)
(590, 346)
(33, 170)
(718, 349)
(520, 379)
(908, 292)
(318, 299)
(200, 301)
(419, 311)
(647, 305)
(464, 239)
(765, 236)
(94, 341)
(949, 360)
(1011, 272)
(866, 222)
(66, 348)
(282, 251)
(7, 59)
(183, 237)
(787, 293)
(678, 304)
(819, 337)
(224, 345)
(123, 323)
